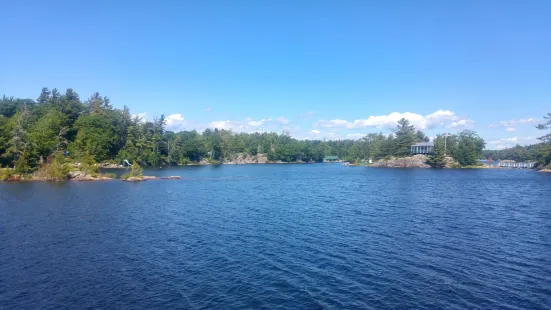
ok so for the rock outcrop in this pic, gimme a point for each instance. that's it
(109, 166)
(415, 161)
(242, 158)
(83, 176)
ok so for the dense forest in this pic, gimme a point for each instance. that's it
(34, 131)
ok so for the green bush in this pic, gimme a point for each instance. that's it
(5, 174)
(56, 170)
(213, 161)
(21, 166)
(137, 171)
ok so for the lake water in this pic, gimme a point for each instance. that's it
(320, 236)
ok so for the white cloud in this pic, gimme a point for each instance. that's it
(336, 123)
(440, 118)
(464, 123)
(248, 125)
(175, 122)
(141, 116)
(315, 132)
(208, 109)
(283, 120)
(514, 122)
(512, 141)
(511, 129)
(227, 125)
(254, 123)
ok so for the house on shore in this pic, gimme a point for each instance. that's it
(422, 148)
(331, 159)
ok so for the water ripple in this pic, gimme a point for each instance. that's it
(283, 237)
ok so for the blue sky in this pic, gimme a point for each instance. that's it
(318, 69)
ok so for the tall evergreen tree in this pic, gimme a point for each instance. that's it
(544, 155)
(405, 136)
(438, 158)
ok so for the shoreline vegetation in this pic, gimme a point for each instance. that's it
(60, 137)
(68, 171)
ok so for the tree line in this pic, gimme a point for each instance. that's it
(92, 130)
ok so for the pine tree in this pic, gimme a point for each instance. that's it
(544, 156)
(405, 137)
(137, 171)
(438, 158)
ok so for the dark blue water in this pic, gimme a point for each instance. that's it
(280, 237)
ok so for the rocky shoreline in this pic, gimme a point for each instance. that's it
(80, 176)
(415, 161)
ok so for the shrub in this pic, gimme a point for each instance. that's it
(89, 166)
(21, 165)
(137, 171)
(6, 174)
(213, 161)
(56, 170)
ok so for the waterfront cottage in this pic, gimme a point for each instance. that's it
(422, 148)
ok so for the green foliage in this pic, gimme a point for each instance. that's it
(97, 136)
(21, 166)
(109, 175)
(405, 137)
(89, 166)
(213, 161)
(48, 133)
(55, 170)
(469, 148)
(438, 158)
(136, 171)
(6, 174)
(94, 131)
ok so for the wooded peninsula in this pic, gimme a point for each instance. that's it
(58, 130)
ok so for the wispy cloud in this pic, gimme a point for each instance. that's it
(141, 116)
(334, 123)
(514, 122)
(510, 142)
(283, 120)
(510, 129)
(440, 118)
(251, 125)
(209, 109)
(308, 115)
